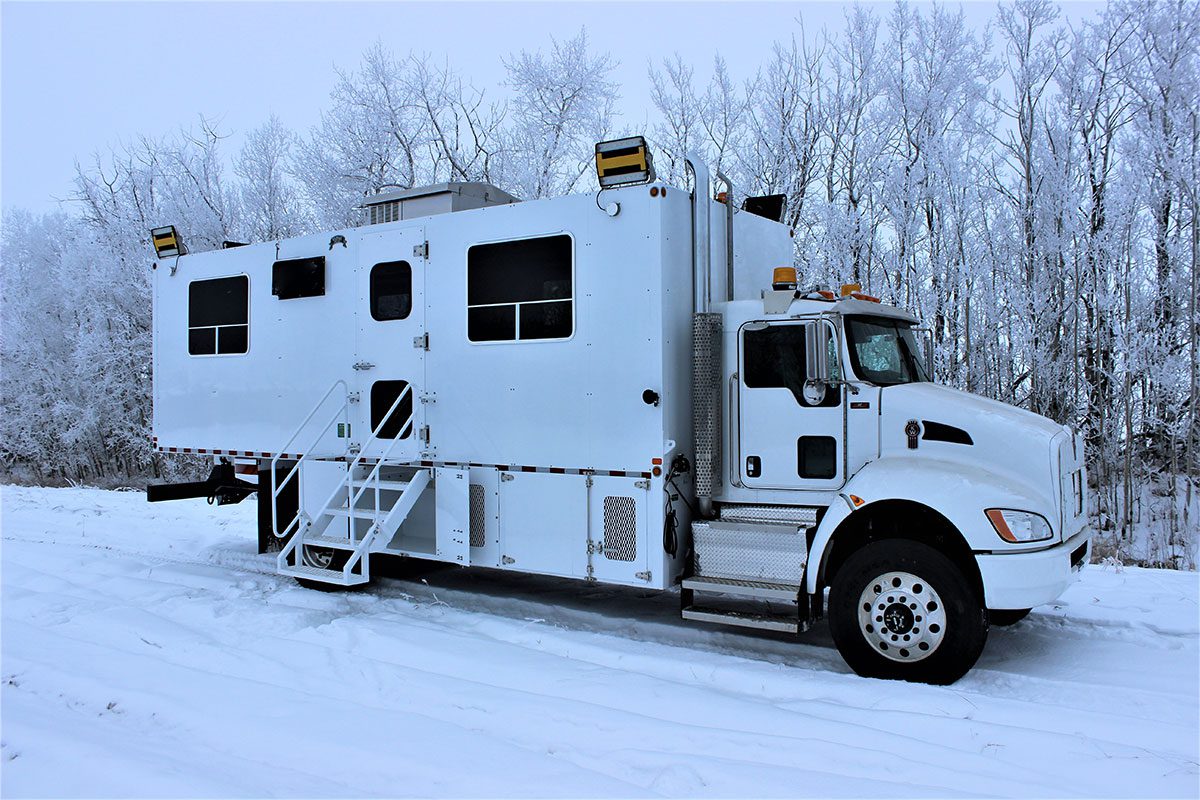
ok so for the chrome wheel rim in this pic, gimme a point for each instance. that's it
(319, 557)
(902, 617)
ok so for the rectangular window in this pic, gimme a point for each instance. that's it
(774, 359)
(520, 290)
(298, 277)
(219, 316)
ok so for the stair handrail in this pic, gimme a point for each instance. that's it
(278, 486)
(347, 479)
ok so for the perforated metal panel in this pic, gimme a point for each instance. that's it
(706, 402)
(620, 528)
(478, 521)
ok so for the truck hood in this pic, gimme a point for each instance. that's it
(1019, 445)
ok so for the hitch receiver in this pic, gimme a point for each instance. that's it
(222, 487)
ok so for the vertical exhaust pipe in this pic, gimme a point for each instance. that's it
(706, 350)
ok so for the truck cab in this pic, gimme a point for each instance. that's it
(927, 512)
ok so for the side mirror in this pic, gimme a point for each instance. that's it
(816, 353)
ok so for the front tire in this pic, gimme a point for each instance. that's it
(901, 610)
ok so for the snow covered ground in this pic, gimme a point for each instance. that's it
(148, 651)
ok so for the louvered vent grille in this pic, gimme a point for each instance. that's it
(385, 212)
(478, 522)
(620, 528)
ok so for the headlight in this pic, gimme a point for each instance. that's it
(1019, 527)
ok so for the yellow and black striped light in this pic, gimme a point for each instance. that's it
(167, 242)
(622, 162)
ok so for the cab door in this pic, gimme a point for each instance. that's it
(390, 366)
(790, 436)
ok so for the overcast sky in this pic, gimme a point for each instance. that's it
(83, 77)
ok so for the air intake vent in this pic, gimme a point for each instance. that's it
(425, 201)
(478, 521)
(620, 528)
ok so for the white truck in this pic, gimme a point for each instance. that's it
(628, 387)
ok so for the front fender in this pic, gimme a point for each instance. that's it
(957, 491)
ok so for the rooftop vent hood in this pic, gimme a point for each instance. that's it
(441, 198)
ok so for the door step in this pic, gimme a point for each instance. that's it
(767, 622)
(384, 486)
(744, 588)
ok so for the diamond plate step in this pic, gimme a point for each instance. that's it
(742, 619)
(384, 486)
(334, 542)
(744, 588)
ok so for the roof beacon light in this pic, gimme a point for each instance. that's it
(784, 278)
(622, 162)
(849, 289)
(167, 242)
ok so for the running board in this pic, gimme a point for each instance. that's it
(742, 619)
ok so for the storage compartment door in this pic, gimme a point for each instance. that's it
(617, 529)
(543, 523)
(451, 488)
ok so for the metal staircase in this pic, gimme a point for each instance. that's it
(362, 512)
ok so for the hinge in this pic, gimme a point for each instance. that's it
(423, 434)
(421, 250)
(364, 365)
(507, 560)
(588, 481)
(506, 476)
(642, 484)
(421, 342)
(354, 447)
(590, 576)
(429, 397)
(645, 576)
(353, 397)
(595, 548)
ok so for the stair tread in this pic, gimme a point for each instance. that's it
(336, 542)
(323, 575)
(387, 486)
(742, 619)
(359, 513)
(754, 588)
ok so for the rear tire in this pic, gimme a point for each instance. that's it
(1002, 618)
(901, 610)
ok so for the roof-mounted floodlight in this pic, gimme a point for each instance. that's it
(622, 162)
(167, 242)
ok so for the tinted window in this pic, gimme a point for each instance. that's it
(391, 290)
(298, 277)
(774, 359)
(816, 457)
(218, 316)
(520, 290)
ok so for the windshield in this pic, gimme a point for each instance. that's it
(884, 351)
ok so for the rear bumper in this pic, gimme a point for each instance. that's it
(1025, 580)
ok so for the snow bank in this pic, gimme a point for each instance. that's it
(148, 651)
